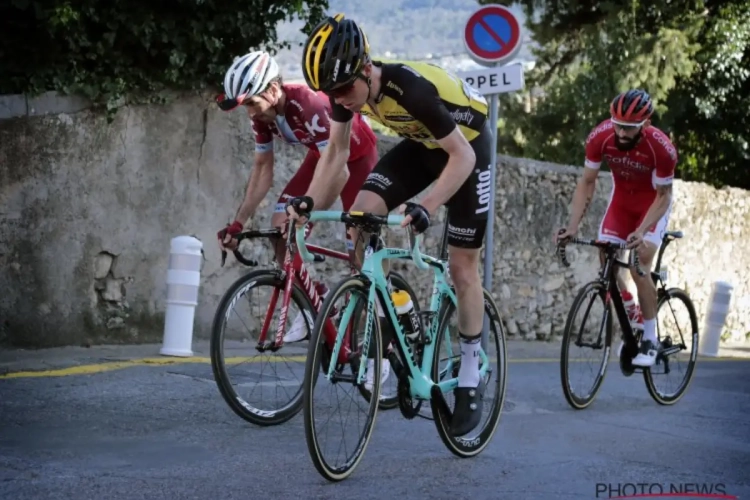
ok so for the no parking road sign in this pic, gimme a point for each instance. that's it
(492, 35)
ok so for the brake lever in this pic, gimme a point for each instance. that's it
(560, 249)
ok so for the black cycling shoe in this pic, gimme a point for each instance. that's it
(468, 410)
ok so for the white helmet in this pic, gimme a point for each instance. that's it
(250, 74)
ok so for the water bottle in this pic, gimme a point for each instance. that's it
(663, 273)
(407, 317)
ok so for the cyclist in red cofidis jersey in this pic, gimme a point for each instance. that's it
(296, 115)
(642, 160)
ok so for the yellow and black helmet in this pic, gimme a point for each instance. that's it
(334, 53)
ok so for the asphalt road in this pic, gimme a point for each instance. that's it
(163, 431)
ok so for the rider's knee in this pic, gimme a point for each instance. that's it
(367, 201)
(646, 253)
(464, 267)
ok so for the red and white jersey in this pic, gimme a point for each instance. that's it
(306, 122)
(649, 164)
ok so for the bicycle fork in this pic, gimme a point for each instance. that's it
(294, 268)
(263, 343)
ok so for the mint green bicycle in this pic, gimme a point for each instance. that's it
(414, 359)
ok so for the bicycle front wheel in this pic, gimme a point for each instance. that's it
(322, 393)
(592, 332)
(283, 380)
(677, 350)
(495, 379)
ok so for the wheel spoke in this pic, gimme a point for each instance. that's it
(245, 389)
(670, 377)
(594, 332)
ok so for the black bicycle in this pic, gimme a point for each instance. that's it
(604, 290)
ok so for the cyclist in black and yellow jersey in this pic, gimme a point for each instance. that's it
(447, 140)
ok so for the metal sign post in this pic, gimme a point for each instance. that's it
(492, 37)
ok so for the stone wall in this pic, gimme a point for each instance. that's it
(89, 208)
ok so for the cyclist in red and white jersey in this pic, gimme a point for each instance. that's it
(294, 114)
(642, 160)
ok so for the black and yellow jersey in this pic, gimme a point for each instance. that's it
(422, 102)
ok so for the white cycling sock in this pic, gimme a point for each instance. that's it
(649, 330)
(468, 373)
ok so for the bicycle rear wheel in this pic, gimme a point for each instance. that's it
(316, 382)
(671, 347)
(475, 442)
(253, 409)
(596, 336)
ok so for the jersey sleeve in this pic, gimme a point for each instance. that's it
(263, 136)
(315, 117)
(594, 148)
(339, 113)
(666, 159)
(422, 101)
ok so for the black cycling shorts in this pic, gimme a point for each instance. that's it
(409, 168)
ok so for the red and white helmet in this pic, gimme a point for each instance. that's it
(631, 108)
(250, 75)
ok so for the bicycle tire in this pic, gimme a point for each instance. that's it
(313, 369)
(399, 283)
(242, 408)
(573, 400)
(680, 294)
(470, 447)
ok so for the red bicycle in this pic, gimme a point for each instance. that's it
(296, 287)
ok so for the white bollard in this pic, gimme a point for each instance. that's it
(716, 315)
(183, 281)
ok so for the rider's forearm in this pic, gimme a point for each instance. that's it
(455, 173)
(330, 177)
(582, 198)
(656, 211)
(258, 186)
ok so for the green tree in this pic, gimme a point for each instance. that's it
(106, 50)
(693, 57)
(710, 114)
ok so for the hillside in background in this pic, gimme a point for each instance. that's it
(408, 29)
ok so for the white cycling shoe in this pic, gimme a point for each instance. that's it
(297, 331)
(385, 370)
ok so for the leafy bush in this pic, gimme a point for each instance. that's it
(109, 49)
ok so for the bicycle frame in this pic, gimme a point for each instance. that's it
(607, 277)
(294, 267)
(421, 383)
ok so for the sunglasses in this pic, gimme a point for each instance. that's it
(228, 104)
(340, 91)
(345, 88)
(627, 127)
